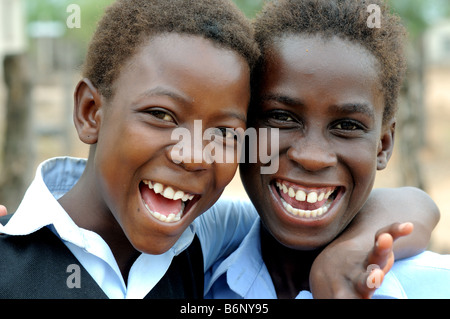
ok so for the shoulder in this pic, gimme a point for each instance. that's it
(5, 219)
(426, 275)
(230, 210)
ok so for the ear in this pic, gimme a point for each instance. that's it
(87, 111)
(386, 145)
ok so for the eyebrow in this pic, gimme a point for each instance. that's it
(161, 91)
(236, 115)
(282, 99)
(349, 108)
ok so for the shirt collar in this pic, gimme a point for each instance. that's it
(40, 208)
(245, 270)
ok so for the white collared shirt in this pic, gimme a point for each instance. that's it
(40, 208)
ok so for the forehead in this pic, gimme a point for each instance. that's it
(166, 54)
(311, 54)
(333, 70)
(189, 69)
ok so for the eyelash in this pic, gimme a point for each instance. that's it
(224, 135)
(354, 124)
(161, 115)
(279, 118)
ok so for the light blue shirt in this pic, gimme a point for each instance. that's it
(243, 275)
(40, 208)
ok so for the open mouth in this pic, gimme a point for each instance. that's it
(165, 203)
(306, 202)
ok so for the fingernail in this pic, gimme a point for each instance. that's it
(403, 226)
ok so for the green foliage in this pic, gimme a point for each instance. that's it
(56, 10)
(420, 14)
(250, 7)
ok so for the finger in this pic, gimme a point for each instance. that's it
(382, 251)
(3, 210)
(396, 230)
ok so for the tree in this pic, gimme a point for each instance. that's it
(250, 7)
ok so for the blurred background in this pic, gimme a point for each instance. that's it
(43, 43)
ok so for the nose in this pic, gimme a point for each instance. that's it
(312, 153)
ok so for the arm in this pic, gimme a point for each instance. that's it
(332, 275)
(386, 206)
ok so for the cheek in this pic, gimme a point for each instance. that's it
(361, 162)
(224, 173)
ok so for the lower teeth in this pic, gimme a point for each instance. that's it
(171, 218)
(307, 213)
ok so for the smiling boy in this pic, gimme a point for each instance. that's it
(329, 84)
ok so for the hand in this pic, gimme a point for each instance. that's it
(346, 270)
(3, 211)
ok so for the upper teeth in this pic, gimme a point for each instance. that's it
(168, 192)
(301, 195)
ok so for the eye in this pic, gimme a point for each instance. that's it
(226, 133)
(348, 125)
(280, 119)
(223, 135)
(348, 128)
(162, 115)
(281, 116)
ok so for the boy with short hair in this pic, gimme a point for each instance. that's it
(329, 83)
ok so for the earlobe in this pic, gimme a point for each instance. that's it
(87, 111)
(386, 145)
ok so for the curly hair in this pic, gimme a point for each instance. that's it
(127, 24)
(348, 20)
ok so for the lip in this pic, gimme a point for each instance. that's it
(310, 221)
(189, 205)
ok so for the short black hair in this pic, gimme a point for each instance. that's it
(128, 23)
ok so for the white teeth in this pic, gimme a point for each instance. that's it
(306, 213)
(158, 188)
(291, 192)
(168, 192)
(321, 197)
(312, 197)
(167, 219)
(300, 195)
(178, 195)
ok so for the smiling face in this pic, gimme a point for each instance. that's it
(325, 98)
(172, 81)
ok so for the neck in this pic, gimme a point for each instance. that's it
(85, 206)
(288, 268)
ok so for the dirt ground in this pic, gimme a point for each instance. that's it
(435, 157)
